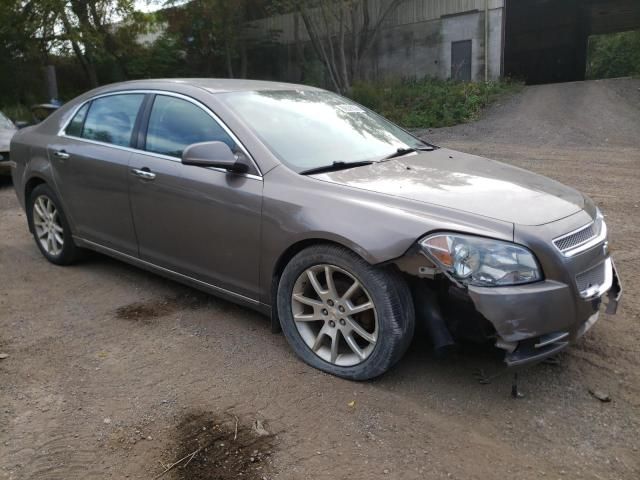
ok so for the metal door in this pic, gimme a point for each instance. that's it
(196, 221)
(200, 222)
(461, 60)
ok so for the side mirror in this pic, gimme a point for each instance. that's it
(213, 154)
(21, 124)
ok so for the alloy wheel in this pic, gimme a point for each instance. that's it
(46, 222)
(334, 315)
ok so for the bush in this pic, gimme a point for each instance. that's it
(17, 112)
(614, 55)
(429, 102)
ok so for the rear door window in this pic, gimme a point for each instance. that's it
(174, 124)
(111, 119)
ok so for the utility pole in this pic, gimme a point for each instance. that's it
(52, 82)
(486, 40)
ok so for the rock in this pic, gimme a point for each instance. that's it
(107, 421)
(258, 428)
(600, 395)
(3, 356)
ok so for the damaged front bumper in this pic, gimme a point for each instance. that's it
(536, 321)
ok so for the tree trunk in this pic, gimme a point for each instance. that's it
(318, 46)
(332, 54)
(108, 41)
(244, 60)
(87, 65)
(346, 83)
(299, 47)
(227, 52)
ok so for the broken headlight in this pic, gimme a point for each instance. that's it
(481, 261)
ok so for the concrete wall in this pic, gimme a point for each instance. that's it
(409, 12)
(424, 48)
(415, 40)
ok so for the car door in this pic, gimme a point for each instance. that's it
(90, 164)
(197, 221)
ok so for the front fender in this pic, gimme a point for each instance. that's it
(377, 227)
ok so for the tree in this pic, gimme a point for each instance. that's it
(614, 55)
(215, 31)
(88, 27)
(26, 39)
(342, 33)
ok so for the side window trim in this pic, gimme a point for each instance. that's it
(139, 133)
(147, 112)
(85, 117)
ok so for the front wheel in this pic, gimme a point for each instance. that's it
(342, 315)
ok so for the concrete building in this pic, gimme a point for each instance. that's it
(535, 40)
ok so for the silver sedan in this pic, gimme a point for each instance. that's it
(342, 227)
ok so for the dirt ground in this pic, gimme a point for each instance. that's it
(116, 373)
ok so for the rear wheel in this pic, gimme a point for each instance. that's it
(50, 227)
(342, 315)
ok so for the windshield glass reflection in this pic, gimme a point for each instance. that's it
(307, 128)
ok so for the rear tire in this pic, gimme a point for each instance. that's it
(342, 315)
(50, 227)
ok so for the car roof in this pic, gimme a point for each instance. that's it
(212, 85)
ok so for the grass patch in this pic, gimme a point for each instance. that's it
(430, 103)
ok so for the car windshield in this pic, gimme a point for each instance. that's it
(5, 122)
(307, 129)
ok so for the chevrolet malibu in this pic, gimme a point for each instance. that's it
(342, 227)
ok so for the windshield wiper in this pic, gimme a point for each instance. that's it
(405, 151)
(335, 166)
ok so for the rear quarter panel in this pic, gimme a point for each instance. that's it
(29, 152)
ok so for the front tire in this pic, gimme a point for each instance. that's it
(50, 227)
(342, 315)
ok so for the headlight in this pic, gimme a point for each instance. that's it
(482, 261)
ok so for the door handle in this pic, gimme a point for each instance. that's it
(143, 173)
(61, 154)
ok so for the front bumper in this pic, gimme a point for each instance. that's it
(536, 321)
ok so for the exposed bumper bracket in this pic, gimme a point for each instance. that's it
(615, 292)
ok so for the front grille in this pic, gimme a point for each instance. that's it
(594, 277)
(575, 239)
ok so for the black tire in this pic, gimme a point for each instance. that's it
(69, 253)
(389, 293)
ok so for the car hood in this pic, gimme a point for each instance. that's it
(5, 138)
(466, 182)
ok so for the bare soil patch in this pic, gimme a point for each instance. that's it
(212, 447)
(147, 312)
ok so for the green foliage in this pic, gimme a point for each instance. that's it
(614, 55)
(429, 102)
(17, 112)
